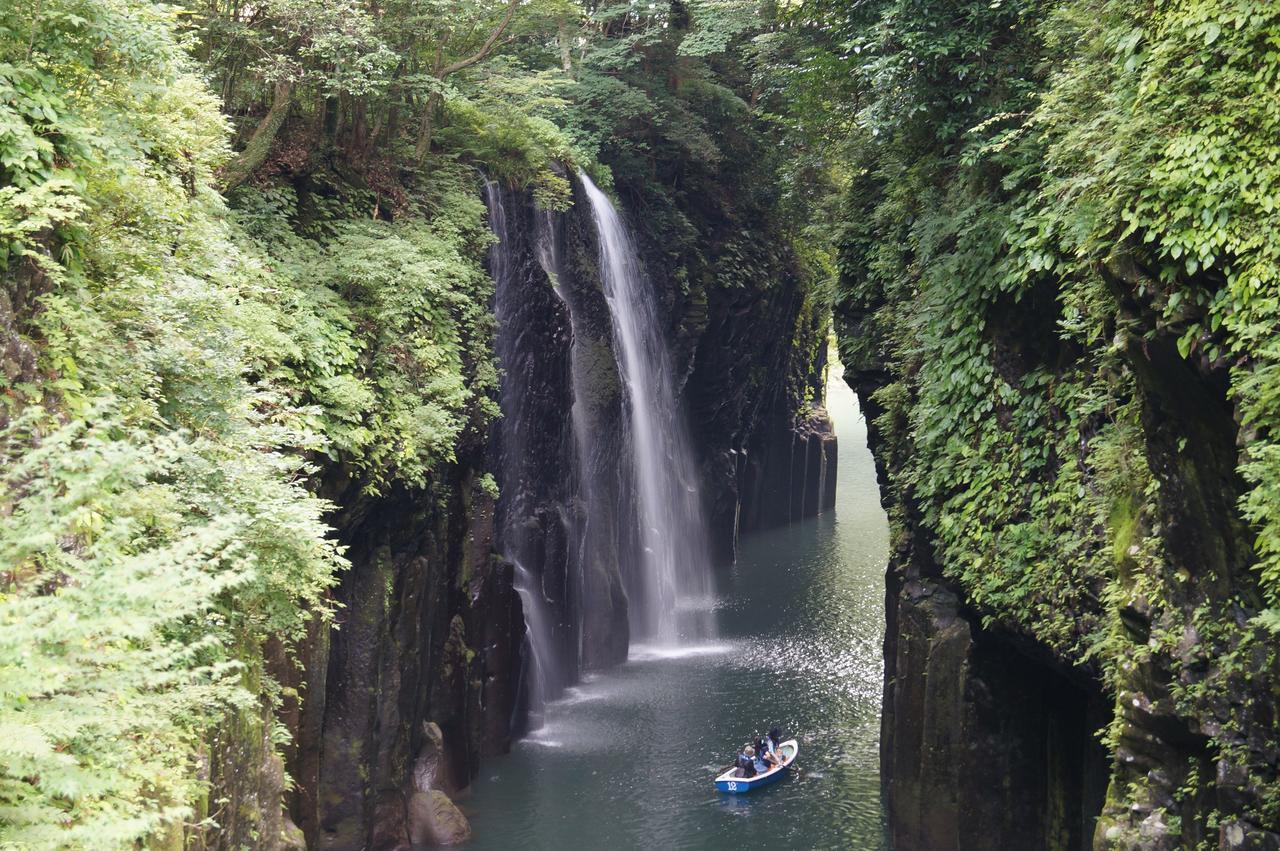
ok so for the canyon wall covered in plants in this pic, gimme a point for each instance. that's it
(1058, 300)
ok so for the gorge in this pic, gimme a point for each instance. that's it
(438, 422)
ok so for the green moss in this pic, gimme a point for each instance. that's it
(1123, 523)
(1024, 248)
(596, 382)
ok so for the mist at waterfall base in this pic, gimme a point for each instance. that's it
(544, 676)
(625, 759)
(674, 581)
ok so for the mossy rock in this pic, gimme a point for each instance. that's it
(435, 820)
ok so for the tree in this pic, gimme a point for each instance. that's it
(456, 38)
(332, 46)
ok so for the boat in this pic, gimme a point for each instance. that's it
(729, 782)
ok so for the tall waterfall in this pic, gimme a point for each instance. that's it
(675, 581)
(584, 480)
(543, 674)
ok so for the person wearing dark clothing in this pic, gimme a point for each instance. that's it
(775, 736)
(757, 755)
(766, 752)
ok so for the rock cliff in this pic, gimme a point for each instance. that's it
(427, 671)
(1149, 727)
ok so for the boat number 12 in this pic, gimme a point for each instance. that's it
(733, 786)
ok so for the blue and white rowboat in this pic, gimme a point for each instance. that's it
(727, 782)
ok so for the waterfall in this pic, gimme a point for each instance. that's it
(550, 261)
(675, 574)
(600, 513)
(542, 675)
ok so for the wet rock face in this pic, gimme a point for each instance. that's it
(429, 628)
(791, 476)
(247, 784)
(532, 445)
(558, 448)
(1192, 444)
(601, 507)
(981, 745)
(752, 359)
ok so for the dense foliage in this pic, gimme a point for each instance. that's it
(1058, 252)
(154, 520)
(169, 368)
(241, 249)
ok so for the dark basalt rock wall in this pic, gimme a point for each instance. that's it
(790, 475)
(1192, 443)
(247, 777)
(558, 448)
(752, 359)
(427, 632)
(981, 744)
(756, 434)
(533, 444)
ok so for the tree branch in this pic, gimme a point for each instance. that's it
(426, 125)
(487, 47)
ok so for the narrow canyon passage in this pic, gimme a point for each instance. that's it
(625, 759)
(412, 424)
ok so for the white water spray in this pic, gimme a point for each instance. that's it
(676, 563)
(543, 674)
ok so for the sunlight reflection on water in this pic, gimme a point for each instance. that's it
(625, 760)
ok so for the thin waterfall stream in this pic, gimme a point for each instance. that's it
(544, 676)
(675, 558)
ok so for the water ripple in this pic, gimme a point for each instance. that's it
(625, 759)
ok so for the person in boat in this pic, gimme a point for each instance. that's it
(746, 762)
(768, 752)
(775, 741)
(757, 756)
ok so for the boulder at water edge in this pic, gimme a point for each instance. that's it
(434, 820)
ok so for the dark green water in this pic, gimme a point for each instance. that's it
(626, 759)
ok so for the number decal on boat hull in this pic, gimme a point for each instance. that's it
(733, 786)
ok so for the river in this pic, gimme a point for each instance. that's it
(626, 759)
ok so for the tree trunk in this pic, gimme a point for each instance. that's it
(255, 151)
(332, 118)
(426, 128)
(358, 144)
(379, 121)
(565, 40)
